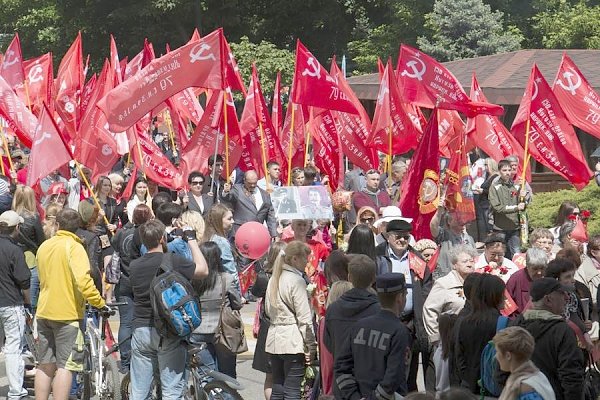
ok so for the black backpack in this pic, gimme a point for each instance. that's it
(174, 303)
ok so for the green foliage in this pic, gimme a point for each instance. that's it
(569, 26)
(268, 58)
(544, 208)
(466, 28)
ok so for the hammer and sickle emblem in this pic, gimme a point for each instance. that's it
(10, 58)
(197, 53)
(45, 135)
(316, 68)
(69, 107)
(573, 85)
(416, 72)
(35, 74)
(106, 150)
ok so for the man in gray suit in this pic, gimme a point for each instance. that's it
(250, 203)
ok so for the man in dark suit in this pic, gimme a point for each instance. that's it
(215, 168)
(250, 203)
(194, 199)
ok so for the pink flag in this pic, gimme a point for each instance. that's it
(40, 82)
(327, 152)
(276, 108)
(11, 68)
(68, 86)
(552, 140)
(194, 64)
(15, 112)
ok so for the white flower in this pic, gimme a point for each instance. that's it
(310, 288)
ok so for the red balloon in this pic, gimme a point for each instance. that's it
(252, 239)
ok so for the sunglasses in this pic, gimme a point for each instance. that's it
(198, 183)
(398, 236)
(367, 220)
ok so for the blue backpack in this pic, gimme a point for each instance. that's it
(174, 303)
(489, 364)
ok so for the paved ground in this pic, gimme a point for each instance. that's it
(251, 379)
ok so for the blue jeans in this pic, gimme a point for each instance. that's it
(12, 322)
(167, 355)
(216, 357)
(34, 288)
(125, 328)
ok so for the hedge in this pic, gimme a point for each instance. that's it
(542, 211)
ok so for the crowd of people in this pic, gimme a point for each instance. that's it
(358, 296)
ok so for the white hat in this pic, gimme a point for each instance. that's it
(389, 214)
(11, 218)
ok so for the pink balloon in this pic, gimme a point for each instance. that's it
(252, 239)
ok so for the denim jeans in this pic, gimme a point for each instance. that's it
(216, 357)
(288, 372)
(167, 355)
(125, 328)
(34, 288)
(513, 243)
(12, 320)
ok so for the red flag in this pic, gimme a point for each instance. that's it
(247, 278)
(276, 108)
(353, 129)
(297, 142)
(86, 93)
(11, 68)
(133, 66)
(509, 306)
(155, 164)
(380, 68)
(15, 112)
(489, 133)
(577, 97)
(259, 146)
(210, 129)
(114, 61)
(450, 128)
(422, 177)
(195, 35)
(95, 146)
(40, 80)
(432, 264)
(47, 140)
(327, 153)
(416, 264)
(313, 86)
(233, 78)
(389, 115)
(147, 53)
(69, 82)
(195, 64)
(459, 195)
(552, 140)
(186, 103)
(129, 188)
(426, 82)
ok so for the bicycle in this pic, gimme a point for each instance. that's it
(31, 356)
(204, 383)
(100, 376)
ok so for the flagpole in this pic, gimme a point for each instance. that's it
(264, 155)
(307, 141)
(2, 133)
(525, 153)
(291, 146)
(5, 144)
(139, 149)
(226, 146)
(89, 187)
(213, 183)
(26, 82)
(167, 116)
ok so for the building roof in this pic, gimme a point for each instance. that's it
(502, 77)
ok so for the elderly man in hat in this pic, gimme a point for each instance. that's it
(401, 257)
(556, 352)
(372, 362)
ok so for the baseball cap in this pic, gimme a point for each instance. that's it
(11, 218)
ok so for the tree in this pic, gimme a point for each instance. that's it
(569, 26)
(466, 28)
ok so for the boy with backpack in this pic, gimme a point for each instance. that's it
(153, 342)
(373, 362)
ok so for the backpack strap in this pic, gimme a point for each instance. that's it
(501, 323)
(166, 264)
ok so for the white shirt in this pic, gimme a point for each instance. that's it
(199, 201)
(258, 200)
(512, 268)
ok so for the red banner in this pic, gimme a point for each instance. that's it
(15, 112)
(420, 185)
(11, 67)
(68, 85)
(46, 140)
(552, 140)
(276, 108)
(298, 138)
(391, 122)
(40, 82)
(313, 86)
(155, 164)
(459, 195)
(194, 64)
(426, 82)
(416, 264)
(577, 97)
(450, 128)
(327, 154)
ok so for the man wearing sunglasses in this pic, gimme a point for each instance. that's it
(401, 257)
(195, 199)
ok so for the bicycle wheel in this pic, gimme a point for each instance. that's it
(155, 392)
(84, 378)
(217, 390)
(111, 386)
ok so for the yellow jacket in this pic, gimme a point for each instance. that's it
(65, 280)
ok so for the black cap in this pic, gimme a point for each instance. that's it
(399, 225)
(544, 286)
(390, 282)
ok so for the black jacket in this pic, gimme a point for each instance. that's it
(421, 289)
(14, 273)
(91, 242)
(556, 353)
(31, 233)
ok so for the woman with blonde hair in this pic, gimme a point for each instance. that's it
(31, 234)
(514, 347)
(291, 341)
(50, 226)
(195, 220)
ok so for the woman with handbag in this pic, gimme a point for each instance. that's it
(291, 343)
(217, 293)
